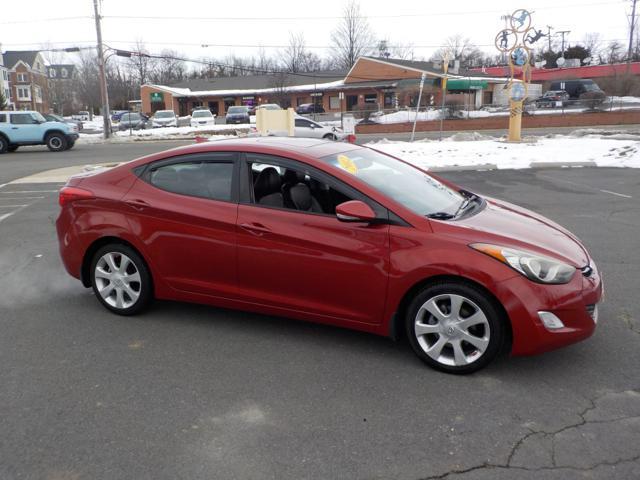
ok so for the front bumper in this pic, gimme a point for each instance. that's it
(573, 303)
(72, 137)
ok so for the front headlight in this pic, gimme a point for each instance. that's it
(533, 266)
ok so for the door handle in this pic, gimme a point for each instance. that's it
(137, 204)
(255, 228)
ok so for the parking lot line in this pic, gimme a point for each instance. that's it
(618, 194)
(20, 198)
(29, 191)
(14, 206)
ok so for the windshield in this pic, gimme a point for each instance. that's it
(591, 87)
(38, 116)
(202, 113)
(165, 115)
(397, 180)
(237, 110)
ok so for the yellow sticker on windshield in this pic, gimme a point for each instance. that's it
(347, 164)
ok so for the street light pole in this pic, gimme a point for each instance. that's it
(103, 79)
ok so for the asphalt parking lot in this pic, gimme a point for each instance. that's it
(188, 391)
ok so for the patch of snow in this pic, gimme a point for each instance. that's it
(601, 151)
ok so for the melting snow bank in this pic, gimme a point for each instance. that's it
(477, 151)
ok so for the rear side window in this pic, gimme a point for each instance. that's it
(22, 119)
(212, 180)
(3, 117)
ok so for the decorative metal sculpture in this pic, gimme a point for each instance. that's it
(516, 42)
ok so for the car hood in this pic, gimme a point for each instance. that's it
(509, 225)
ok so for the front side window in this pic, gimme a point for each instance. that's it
(301, 123)
(205, 179)
(23, 119)
(289, 188)
(397, 180)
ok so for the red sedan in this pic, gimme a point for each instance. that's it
(332, 233)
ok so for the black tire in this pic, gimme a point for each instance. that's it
(493, 327)
(70, 144)
(56, 142)
(4, 145)
(144, 287)
(12, 148)
(330, 136)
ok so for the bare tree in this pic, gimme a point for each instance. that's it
(386, 49)
(88, 80)
(460, 48)
(352, 38)
(279, 84)
(593, 43)
(169, 68)
(613, 53)
(140, 63)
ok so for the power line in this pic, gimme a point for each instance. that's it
(43, 20)
(338, 17)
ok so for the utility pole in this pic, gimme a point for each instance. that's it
(563, 33)
(549, 28)
(633, 25)
(103, 79)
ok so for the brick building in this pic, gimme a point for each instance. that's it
(28, 80)
(371, 84)
(63, 91)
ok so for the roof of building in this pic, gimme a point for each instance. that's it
(254, 82)
(11, 57)
(586, 71)
(421, 65)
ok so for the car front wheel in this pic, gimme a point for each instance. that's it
(121, 280)
(4, 145)
(56, 142)
(454, 327)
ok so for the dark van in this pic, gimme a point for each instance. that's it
(575, 88)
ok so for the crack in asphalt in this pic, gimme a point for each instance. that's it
(583, 421)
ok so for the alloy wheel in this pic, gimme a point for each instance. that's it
(118, 280)
(452, 330)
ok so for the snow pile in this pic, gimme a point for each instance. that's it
(483, 153)
(406, 116)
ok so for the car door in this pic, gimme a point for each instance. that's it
(184, 209)
(306, 128)
(310, 261)
(25, 128)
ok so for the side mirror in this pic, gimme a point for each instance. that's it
(355, 211)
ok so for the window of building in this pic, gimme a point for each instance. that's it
(212, 180)
(52, 72)
(22, 77)
(371, 98)
(4, 75)
(24, 93)
(7, 94)
(37, 91)
(334, 103)
(64, 73)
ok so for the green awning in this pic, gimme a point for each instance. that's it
(466, 84)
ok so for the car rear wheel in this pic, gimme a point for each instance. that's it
(121, 280)
(455, 327)
(56, 142)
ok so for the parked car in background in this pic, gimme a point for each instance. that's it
(269, 106)
(133, 121)
(24, 127)
(333, 233)
(583, 92)
(238, 114)
(116, 114)
(307, 108)
(82, 115)
(552, 98)
(52, 117)
(202, 117)
(310, 129)
(164, 118)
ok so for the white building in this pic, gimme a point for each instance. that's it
(4, 79)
